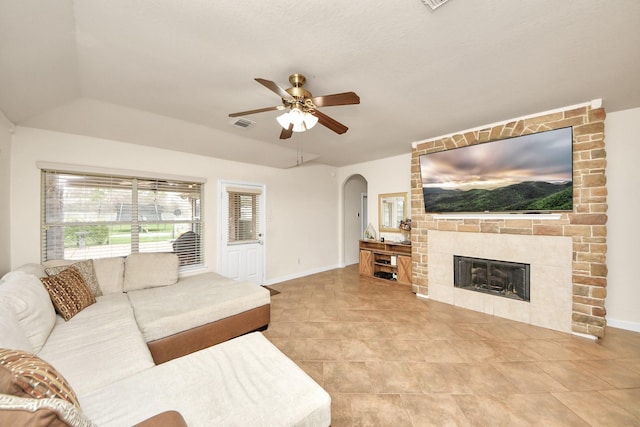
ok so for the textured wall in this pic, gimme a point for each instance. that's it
(586, 225)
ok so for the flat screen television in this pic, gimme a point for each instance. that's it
(530, 173)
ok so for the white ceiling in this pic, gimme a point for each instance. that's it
(167, 73)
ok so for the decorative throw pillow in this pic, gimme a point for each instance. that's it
(33, 377)
(86, 269)
(69, 292)
(50, 412)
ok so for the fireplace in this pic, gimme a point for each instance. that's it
(503, 278)
(549, 259)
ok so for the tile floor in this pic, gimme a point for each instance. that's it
(388, 358)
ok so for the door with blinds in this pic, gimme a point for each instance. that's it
(241, 252)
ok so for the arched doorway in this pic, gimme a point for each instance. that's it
(354, 216)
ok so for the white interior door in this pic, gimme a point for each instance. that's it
(241, 231)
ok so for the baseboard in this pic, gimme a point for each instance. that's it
(587, 336)
(623, 324)
(301, 274)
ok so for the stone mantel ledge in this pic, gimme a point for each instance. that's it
(532, 216)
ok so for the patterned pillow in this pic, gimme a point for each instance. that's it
(32, 377)
(50, 412)
(87, 271)
(69, 292)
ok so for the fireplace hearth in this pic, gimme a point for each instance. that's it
(502, 278)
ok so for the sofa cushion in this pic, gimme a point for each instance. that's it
(110, 274)
(33, 377)
(33, 268)
(246, 381)
(50, 412)
(69, 292)
(86, 269)
(150, 270)
(193, 301)
(11, 333)
(99, 345)
(32, 305)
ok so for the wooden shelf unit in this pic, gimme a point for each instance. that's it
(385, 258)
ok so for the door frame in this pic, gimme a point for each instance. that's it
(222, 216)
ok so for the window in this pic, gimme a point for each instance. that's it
(244, 214)
(97, 216)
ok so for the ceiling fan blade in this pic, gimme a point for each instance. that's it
(274, 88)
(345, 98)
(332, 124)
(259, 110)
(286, 133)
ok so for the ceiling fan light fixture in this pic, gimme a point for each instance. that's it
(296, 116)
(299, 127)
(310, 120)
(284, 121)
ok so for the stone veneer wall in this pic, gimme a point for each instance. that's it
(586, 225)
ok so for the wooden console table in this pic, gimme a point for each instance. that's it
(385, 261)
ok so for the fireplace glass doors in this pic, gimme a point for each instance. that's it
(502, 278)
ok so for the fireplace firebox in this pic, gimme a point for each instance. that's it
(502, 278)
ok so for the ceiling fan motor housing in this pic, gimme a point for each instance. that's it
(297, 91)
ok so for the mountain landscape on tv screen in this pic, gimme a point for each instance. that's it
(523, 196)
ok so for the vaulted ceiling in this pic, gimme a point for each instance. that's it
(167, 73)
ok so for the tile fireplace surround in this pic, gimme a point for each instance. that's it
(550, 260)
(567, 297)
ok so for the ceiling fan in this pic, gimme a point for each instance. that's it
(302, 107)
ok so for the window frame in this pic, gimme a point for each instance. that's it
(141, 186)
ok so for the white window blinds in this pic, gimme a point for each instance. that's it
(243, 204)
(96, 216)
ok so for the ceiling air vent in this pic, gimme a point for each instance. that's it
(434, 4)
(242, 123)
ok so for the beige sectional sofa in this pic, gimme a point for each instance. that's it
(153, 342)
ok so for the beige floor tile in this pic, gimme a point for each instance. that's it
(633, 364)
(439, 351)
(314, 369)
(372, 331)
(346, 377)
(570, 375)
(554, 350)
(511, 351)
(379, 410)
(484, 378)
(591, 407)
(628, 399)
(361, 350)
(392, 377)
(340, 330)
(489, 410)
(307, 330)
(528, 377)
(434, 410)
(476, 351)
(388, 358)
(341, 413)
(440, 378)
(323, 349)
(611, 371)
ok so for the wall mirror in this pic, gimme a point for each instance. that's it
(392, 208)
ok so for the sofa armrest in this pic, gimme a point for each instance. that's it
(164, 419)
